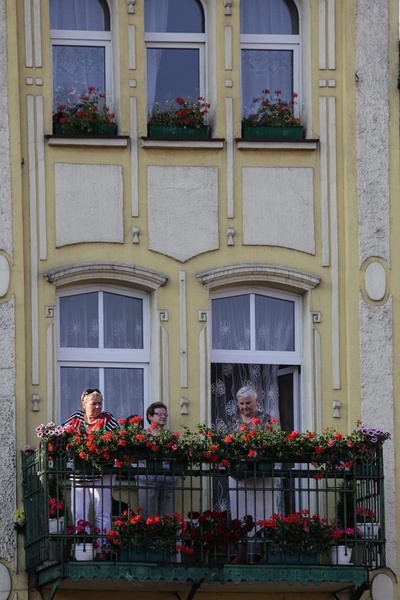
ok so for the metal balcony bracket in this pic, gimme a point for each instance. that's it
(360, 590)
(192, 592)
(54, 589)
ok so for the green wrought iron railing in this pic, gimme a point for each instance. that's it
(348, 497)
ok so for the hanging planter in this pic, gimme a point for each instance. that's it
(340, 555)
(84, 551)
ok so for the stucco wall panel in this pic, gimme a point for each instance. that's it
(88, 203)
(183, 210)
(278, 207)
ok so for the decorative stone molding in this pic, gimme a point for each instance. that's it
(131, 6)
(228, 7)
(115, 272)
(135, 235)
(261, 273)
(230, 233)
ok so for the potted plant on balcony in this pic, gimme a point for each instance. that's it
(367, 522)
(85, 539)
(85, 113)
(182, 118)
(135, 538)
(270, 117)
(297, 538)
(56, 507)
(342, 545)
(19, 520)
(213, 536)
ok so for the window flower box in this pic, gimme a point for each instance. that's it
(178, 131)
(277, 132)
(181, 119)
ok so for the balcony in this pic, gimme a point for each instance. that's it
(335, 495)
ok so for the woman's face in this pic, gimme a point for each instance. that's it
(92, 406)
(159, 417)
(247, 407)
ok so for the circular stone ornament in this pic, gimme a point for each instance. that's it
(5, 582)
(375, 281)
(4, 275)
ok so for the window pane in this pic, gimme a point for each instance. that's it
(79, 322)
(172, 72)
(123, 391)
(266, 69)
(77, 68)
(274, 324)
(83, 15)
(123, 321)
(73, 382)
(268, 17)
(174, 16)
(231, 323)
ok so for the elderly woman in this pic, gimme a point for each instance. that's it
(156, 493)
(247, 495)
(87, 490)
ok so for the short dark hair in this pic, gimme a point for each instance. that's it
(151, 409)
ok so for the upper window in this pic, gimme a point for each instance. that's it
(103, 342)
(270, 49)
(175, 49)
(81, 46)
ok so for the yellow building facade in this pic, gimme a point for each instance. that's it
(178, 270)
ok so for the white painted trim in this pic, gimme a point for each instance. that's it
(28, 33)
(164, 362)
(261, 273)
(229, 159)
(30, 110)
(182, 329)
(132, 46)
(41, 178)
(228, 48)
(331, 35)
(38, 33)
(214, 144)
(242, 144)
(317, 378)
(50, 350)
(324, 183)
(334, 244)
(203, 375)
(101, 142)
(322, 34)
(134, 157)
(106, 272)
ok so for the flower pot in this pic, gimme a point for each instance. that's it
(294, 132)
(178, 131)
(368, 530)
(84, 551)
(56, 525)
(289, 558)
(340, 555)
(96, 130)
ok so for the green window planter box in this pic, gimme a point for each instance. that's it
(274, 133)
(286, 558)
(178, 132)
(97, 130)
(143, 555)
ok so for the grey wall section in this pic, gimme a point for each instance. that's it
(376, 322)
(8, 548)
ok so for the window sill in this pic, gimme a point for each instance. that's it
(199, 144)
(117, 141)
(249, 144)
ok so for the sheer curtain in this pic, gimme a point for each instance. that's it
(155, 19)
(86, 15)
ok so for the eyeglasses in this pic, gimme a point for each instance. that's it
(160, 414)
(91, 391)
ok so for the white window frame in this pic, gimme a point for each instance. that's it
(103, 358)
(253, 356)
